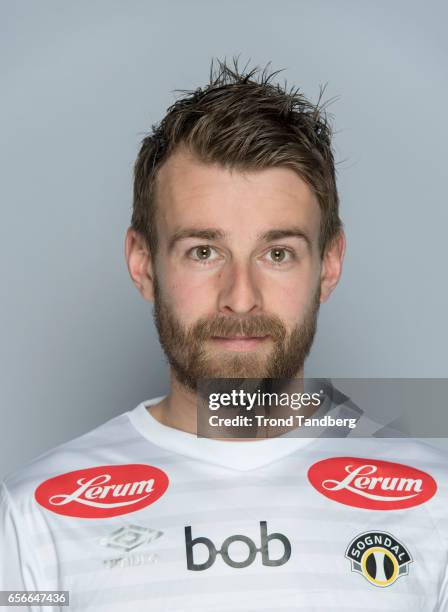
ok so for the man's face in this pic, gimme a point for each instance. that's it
(236, 281)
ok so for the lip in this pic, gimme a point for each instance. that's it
(240, 343)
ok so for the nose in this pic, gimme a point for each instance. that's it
(239, 292)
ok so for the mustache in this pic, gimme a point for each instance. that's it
(230, 326)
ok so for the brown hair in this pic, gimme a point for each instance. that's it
(243, 122)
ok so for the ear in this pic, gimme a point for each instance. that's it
(332, 265)
(140, 264)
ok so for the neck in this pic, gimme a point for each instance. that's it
(179, 409)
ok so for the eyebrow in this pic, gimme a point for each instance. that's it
(289, 232)
(192, 232)
(211, 233)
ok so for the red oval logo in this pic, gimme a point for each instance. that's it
(371, 483)
(102, 491)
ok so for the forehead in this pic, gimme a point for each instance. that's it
(191, 192)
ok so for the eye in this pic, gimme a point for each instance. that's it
(281, 255)
(202, 253)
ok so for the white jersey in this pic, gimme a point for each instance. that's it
(138, 516)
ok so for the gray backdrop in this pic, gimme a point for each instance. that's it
(81, 84)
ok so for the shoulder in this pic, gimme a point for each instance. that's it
(112, 443)
(393, 465)
(420, 453)
(63, 457)
(424, 454)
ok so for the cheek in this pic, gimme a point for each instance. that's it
(289, 295)
(187, 296)
(289, 303)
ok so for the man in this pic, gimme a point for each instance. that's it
(236, 240)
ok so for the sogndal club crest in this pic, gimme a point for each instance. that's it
(379, 557)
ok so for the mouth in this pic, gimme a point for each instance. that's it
(239, 343)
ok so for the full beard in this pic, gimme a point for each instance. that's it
(191, 361)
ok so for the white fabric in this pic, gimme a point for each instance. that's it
(219, 489)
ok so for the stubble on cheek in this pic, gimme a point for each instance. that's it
(192, 356)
